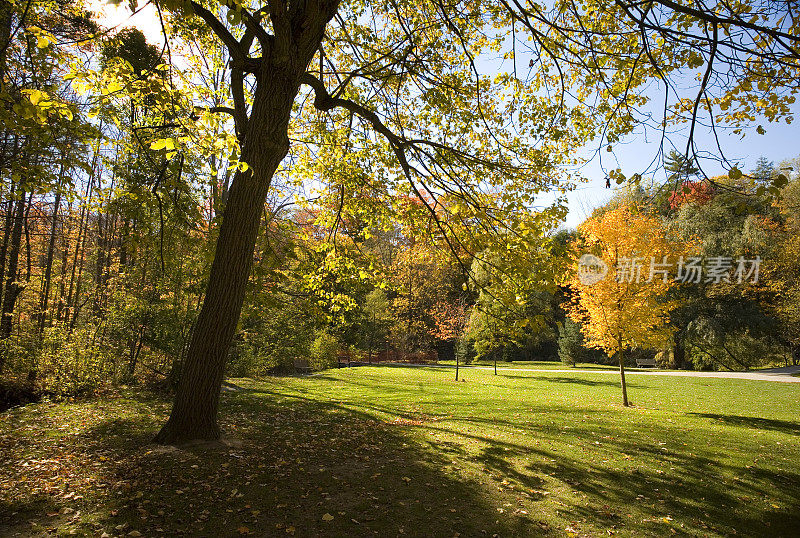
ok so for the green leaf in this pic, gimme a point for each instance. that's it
(780, 181)
(234, 16)
(735, 173)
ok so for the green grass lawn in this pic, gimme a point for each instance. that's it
(410, 452)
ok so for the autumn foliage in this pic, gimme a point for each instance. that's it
(698, 192)
(627, 308)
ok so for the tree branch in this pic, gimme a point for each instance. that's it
(233, 46)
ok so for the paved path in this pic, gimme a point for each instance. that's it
(783, 375)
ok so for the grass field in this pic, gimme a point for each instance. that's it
(410, 452)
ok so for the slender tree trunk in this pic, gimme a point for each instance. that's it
(123, 244)
(6, 12)
(73, 272)
(71, 308)
(9, 222)
(194, 414)
(25, 221)
(100, 264)
(62, 282)
(106, 232)
(12, 287)
(75, 305)
(135, 347)
(3, 254)
(622, 374)
(48, 264)
(77, 269)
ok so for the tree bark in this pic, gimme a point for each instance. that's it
(9, 222)
(12, 287)
(6, 15)
(264, 139)
(194, 414)
(622, 374)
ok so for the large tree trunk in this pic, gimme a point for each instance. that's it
(194, 414)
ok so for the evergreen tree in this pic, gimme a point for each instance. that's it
(764, 170)
(679, 167)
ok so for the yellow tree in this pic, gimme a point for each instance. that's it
(627, 264)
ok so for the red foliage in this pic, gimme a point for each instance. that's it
(450, 319)
(692, 191)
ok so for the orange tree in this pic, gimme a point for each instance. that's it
(627, 308)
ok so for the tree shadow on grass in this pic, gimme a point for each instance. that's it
(618, 477)
(650, 489)
(299, 459)
(783, 426)
(305, 468)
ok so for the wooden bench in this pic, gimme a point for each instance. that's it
(646, 362)
(302, 366)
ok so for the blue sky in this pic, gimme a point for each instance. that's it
(781, 141)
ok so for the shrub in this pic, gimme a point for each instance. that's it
(570, 343)
(465, 350)
(324, 351)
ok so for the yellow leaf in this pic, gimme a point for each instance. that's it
(327, 517)
(36, 96)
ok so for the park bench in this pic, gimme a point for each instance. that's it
(302, 366)
(645, 362)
